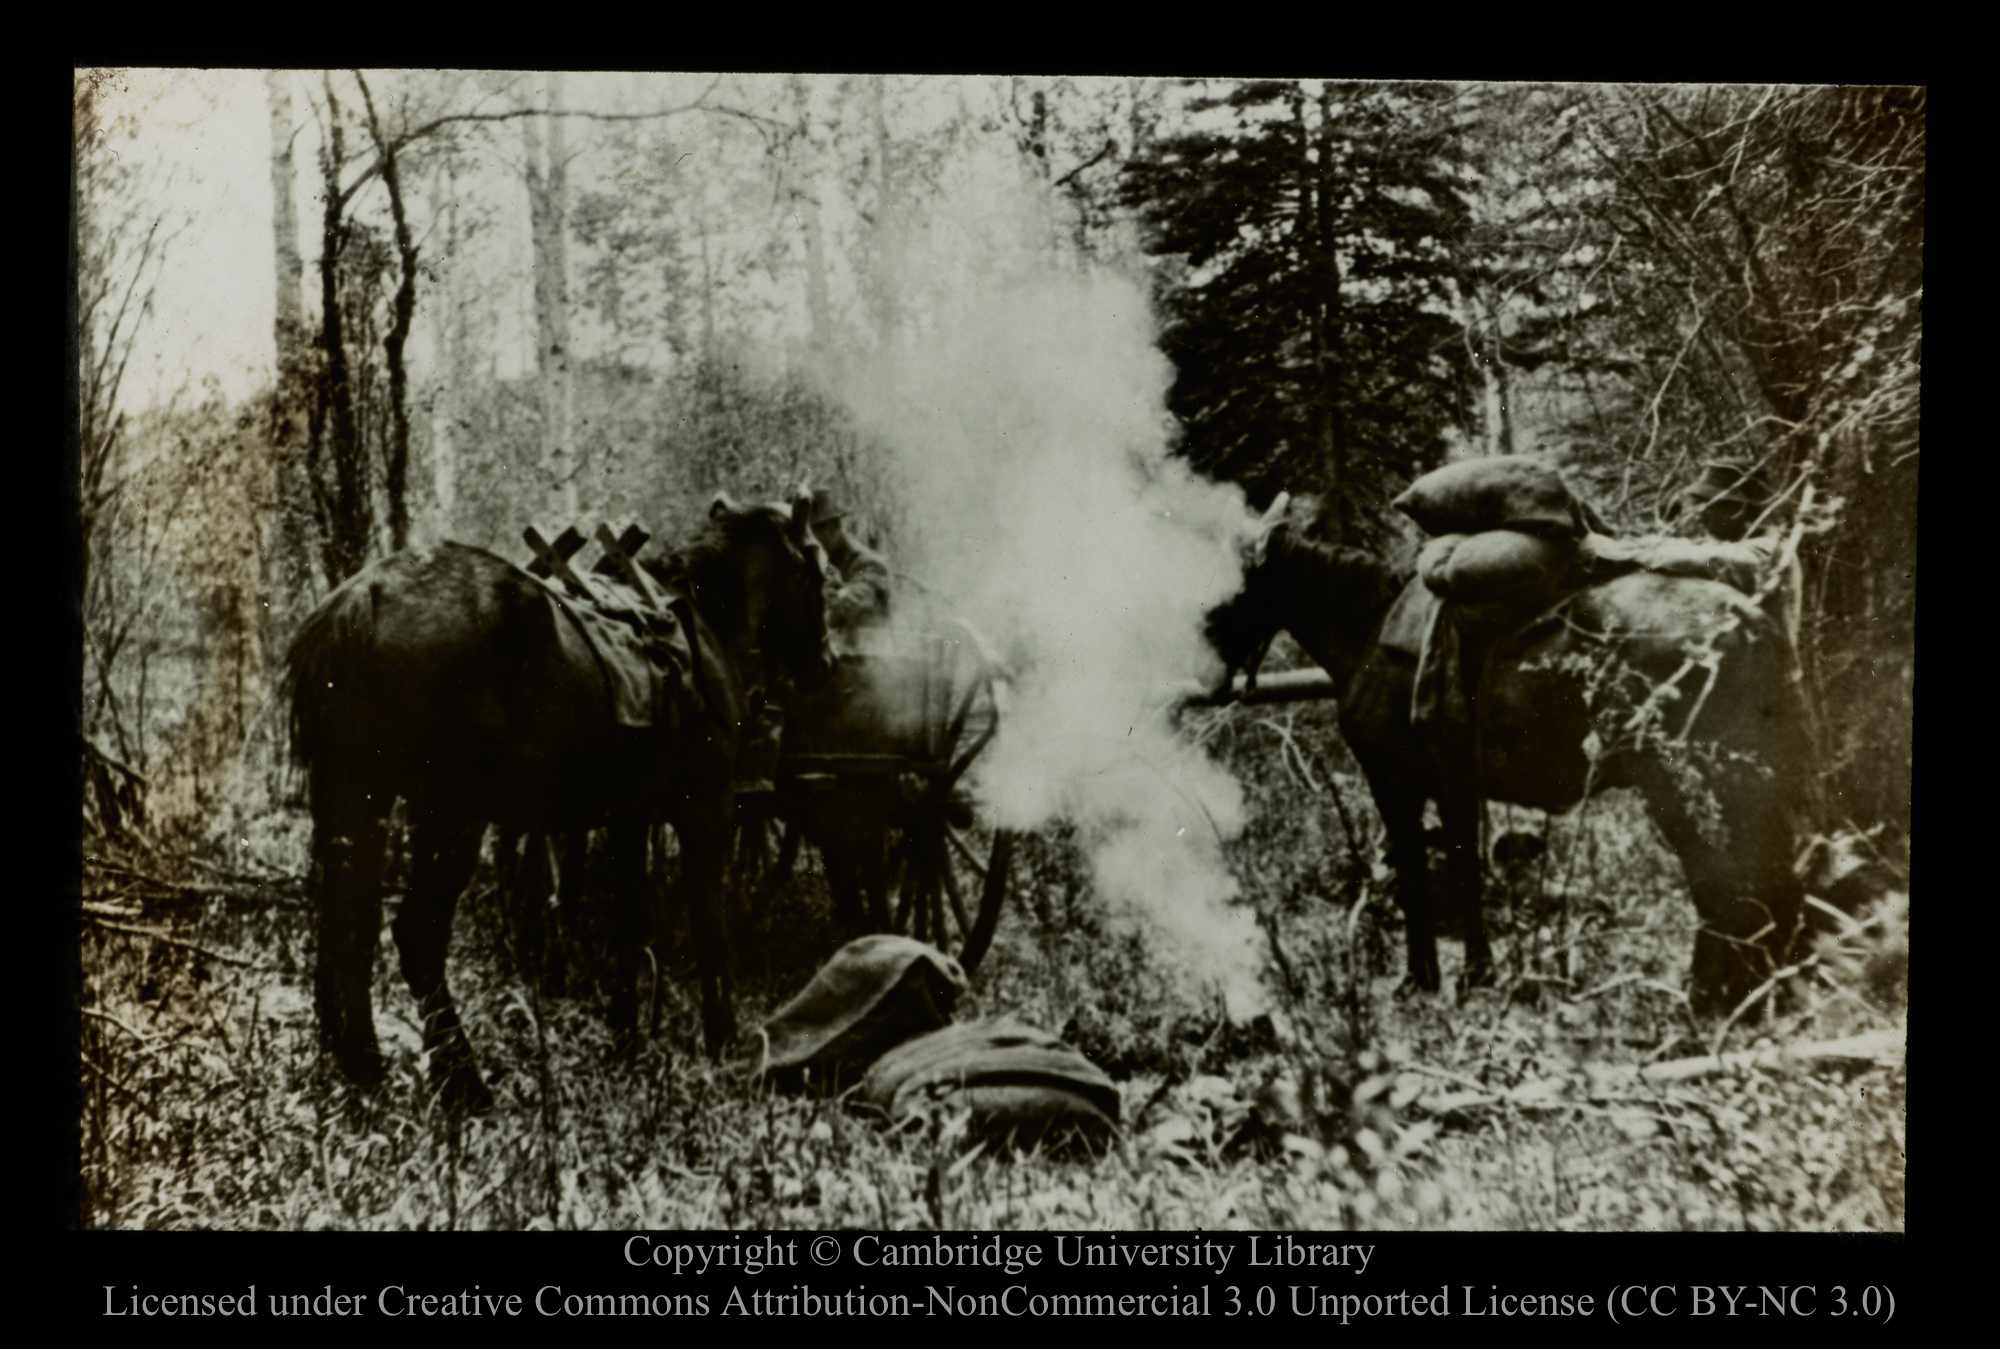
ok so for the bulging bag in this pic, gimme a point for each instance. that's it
(1498, 492)
(1502, 568)
(1022, 1085)
(874, 994)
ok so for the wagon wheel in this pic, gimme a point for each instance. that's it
(946, 882)
(762, 856)
(945, 874)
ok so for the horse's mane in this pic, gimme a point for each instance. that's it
(1352, 580)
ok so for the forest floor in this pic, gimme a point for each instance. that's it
(1351, 1104)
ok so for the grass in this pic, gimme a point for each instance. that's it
(206, 1105)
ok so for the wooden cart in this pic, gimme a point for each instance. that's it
(871, 770)
(872, 773)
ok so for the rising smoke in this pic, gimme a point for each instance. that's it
(1024, 409)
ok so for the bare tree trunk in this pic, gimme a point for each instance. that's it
(396, 470)
(452, 372)
(1136, 86)
(803, 184)
(546, 210)
(289, 331)
(1035, 144)
(280, 518)
(882, 279)
(344, 508)
(1317, 224)
(1480, 319)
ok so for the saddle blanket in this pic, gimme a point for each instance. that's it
(654, 663)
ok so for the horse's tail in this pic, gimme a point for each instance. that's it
(324, 670)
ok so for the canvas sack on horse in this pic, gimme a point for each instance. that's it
(1502, 570)
(876, 993)
(1742, 565)
(1498, 492)
(1021, 1084)
(1505, 549)
(1487, 583)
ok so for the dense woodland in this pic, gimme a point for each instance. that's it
(505, 299)
(1353, 282)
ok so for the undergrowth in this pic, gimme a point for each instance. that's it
(1347, 1103)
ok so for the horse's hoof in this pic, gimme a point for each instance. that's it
(1478, 974)
(1412, 984)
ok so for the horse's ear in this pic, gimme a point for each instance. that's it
(1267, 524)
(802, 509)
(721, 506)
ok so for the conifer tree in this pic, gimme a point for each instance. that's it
(1312, 232)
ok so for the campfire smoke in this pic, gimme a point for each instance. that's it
(1027, 423)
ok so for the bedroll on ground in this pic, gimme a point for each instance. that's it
(1023, 1086)
(874, 994)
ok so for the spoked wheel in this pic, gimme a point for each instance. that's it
(945, 874)
(765, 851)
(946, 880)
(875, 775)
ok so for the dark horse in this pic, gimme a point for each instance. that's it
(450, 678)
(1677, 687)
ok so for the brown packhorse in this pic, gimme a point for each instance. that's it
(1677, 687)
(450, 678)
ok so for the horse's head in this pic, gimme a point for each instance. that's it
(785, 579)
(1242, 626)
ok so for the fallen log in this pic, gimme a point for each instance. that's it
(1878, 1046)
(1281, 686)
(1609, 1080)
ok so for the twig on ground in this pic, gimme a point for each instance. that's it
(158, 935)
(1606, 1081)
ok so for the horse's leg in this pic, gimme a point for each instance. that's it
(572, 857)
(704, 835)
(633, 923)
(1399, 797)
(529, 886)
(1375, 721)
(1735, 849)
(852, 895)
(347, 887)
(1458, 812)
(443, 854)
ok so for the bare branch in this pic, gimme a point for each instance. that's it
(1109, 146)
(515, 114)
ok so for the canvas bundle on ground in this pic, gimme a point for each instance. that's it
(1020, 1083)
(1498, 492)
(874, 994)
